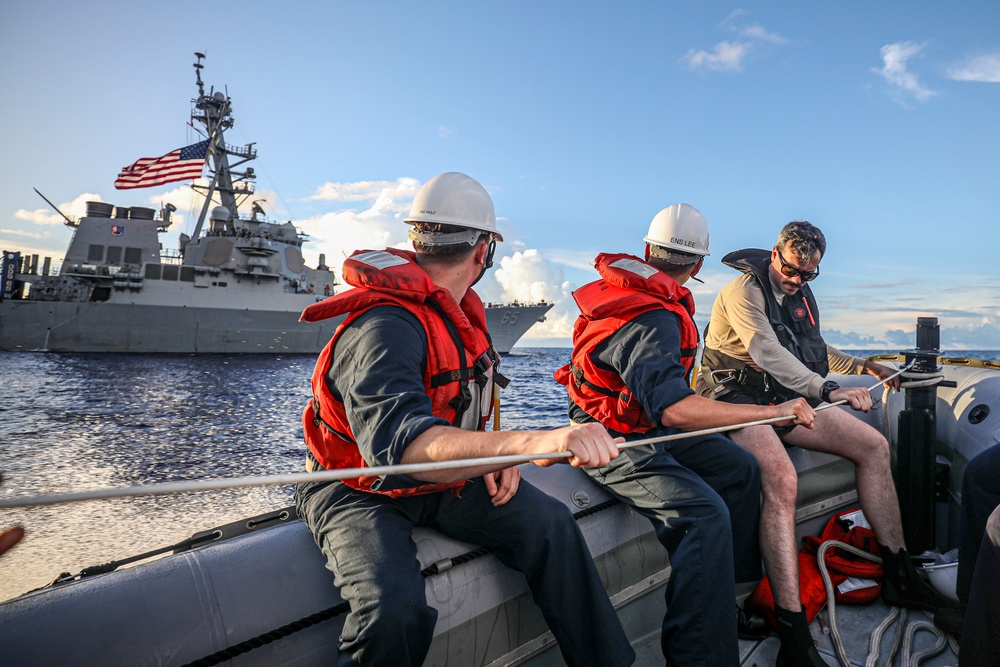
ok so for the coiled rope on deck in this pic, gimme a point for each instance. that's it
(904, 638)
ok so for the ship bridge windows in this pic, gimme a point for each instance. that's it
(169, 272)
(96, 254)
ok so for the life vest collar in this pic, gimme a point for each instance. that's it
(630, 273)
(748, 260)
(396, 272)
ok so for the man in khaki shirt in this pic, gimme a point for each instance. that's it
(763, 345)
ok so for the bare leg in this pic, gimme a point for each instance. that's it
(838, 432)
(779, 485)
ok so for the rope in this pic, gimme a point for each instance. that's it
(915, 379)
(894, 615)
(875, 642)
(268, 637)
(168, 488)
(939, 645)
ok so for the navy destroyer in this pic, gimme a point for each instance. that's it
(236, 285)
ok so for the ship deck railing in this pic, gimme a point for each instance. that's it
(518, 304)
(246, 152)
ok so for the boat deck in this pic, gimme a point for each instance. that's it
(856, 624)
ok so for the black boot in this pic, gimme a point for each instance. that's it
(751, 626)
(950, 620)
(797, 647)
(903, 587)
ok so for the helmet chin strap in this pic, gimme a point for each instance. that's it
(488, 263)
(697, 269)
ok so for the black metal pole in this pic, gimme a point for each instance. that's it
(913, 453)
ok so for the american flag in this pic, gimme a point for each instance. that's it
(180, 165)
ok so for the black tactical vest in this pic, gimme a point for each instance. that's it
(795, 322)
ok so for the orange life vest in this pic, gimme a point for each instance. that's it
(628, 288)
(458, 354)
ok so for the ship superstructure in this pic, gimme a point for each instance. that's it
(237, 284)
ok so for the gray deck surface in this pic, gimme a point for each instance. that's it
(856, 624)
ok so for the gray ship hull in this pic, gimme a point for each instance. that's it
(53, 326)
(507, 323)
(61, 326)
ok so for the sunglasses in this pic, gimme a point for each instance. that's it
(791, 271)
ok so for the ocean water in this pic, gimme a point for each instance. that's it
(81, 422)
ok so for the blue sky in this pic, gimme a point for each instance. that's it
(878, 122)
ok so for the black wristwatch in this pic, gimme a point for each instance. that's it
(828, 387)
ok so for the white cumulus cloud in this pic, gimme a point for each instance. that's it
(758, 32)
(728, 56)
(75, 208)
(725, 57)
(28, 235)
(366, 190)
(896, 72)
(337, 234)
(528, 276)
(984, 69)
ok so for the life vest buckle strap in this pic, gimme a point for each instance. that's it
(580, 381)
(500, 380)
(717, 380)
(461, 402)
(318, 420)
(447, 377)
(481, 369)
(742, 377)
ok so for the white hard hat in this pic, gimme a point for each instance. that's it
(680, 227)
(452, 198)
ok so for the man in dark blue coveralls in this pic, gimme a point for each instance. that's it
(978, 585)
(633, 348)
(407, 379)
